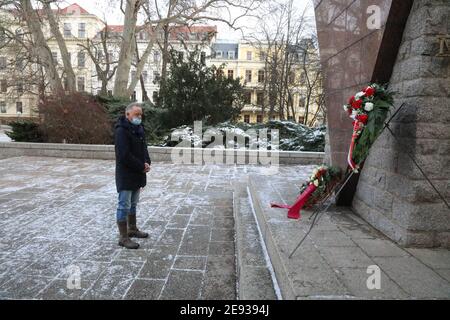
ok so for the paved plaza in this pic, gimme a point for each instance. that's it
(59, 237)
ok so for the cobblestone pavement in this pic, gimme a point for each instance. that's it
(57, 225)
(58, 219)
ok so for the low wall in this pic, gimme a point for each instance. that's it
(161, 154)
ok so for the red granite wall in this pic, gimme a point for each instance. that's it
(349, 50)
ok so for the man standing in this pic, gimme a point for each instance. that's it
(132, 164)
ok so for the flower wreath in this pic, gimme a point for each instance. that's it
(368, 109)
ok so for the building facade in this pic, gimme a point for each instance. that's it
(82, 30)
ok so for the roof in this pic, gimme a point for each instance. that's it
(176, 31)
(74, 8)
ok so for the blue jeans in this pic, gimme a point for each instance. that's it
(128, 200)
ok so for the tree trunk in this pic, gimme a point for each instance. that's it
(54, 28)
(165, 55)
(144, 58)
(41, 48)
(141, 79)
(126, 49)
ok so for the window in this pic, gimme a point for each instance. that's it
(230, 54)
(248, 97)
(19, 34)
(19, 107)
(65, 83)
(261, 75)
(82, 30)
(2, 63)
(156, 76)
(19, 63)
(156, 57)
(203, 57)
(219, 54)
(248, 75)
(230, 74)
(55, 57)
(2, 106)
(3, 85)
(249, 55)
(155, 96)
(290, 118)
(81, 60)
(303, 79)
(110, 56)
(259, 118)
(262, 56)
(220, 73)
(301, 102)
(247, 118)
(67, 30)
(80, 83)
(260, 98)
(20, 88)
(301, 119)
(291, 77)
(133, 96)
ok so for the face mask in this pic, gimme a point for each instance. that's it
(136, 121)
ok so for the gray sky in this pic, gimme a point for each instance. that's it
(112, 14)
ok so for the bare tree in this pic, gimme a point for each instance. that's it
(282, 34)
(98, 51)
(54, 29)
(41, 48)
(159, 15)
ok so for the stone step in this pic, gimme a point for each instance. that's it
(253, 271)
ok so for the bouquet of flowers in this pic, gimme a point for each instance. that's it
(319, 185)
(368, 109)
(324, 179)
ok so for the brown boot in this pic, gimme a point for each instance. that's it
(133, 231)
(124, 240)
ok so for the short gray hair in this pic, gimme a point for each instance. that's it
(132, 105)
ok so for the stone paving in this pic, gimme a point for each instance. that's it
(57, 224)
(333, 261)
(59, 214)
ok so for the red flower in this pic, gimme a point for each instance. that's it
(369, 91)
(357, 104)
(351, 100)
(362, 118)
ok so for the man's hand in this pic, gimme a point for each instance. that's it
(147, 168)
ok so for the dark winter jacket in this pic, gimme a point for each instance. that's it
(131, 155)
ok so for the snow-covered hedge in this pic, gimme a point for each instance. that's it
(292, 136)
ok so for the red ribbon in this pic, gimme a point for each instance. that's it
(357, 125)
(294, 210)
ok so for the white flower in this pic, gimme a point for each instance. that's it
(316, 183)
(354, 114)
(345, 107)
(369, 106)
(359, 95)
